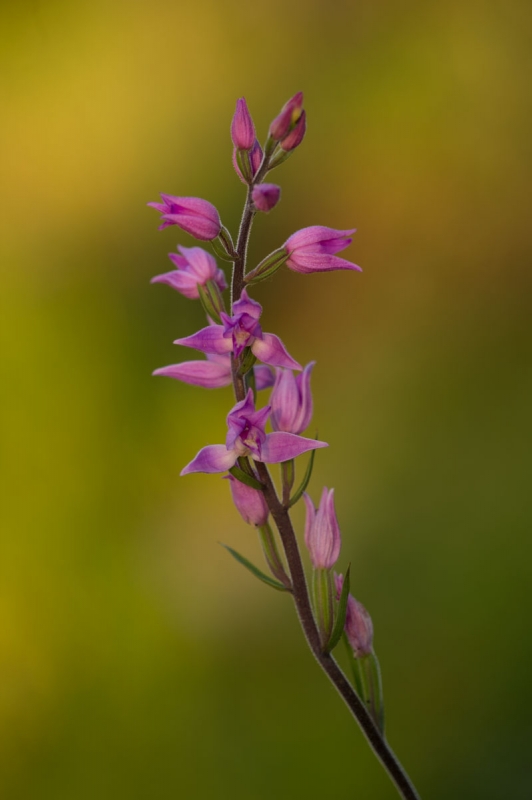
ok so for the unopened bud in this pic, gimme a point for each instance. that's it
(242, 127)
(284, 122)
(266, 196)
(250, 503)
(358, 624)
(295, 137)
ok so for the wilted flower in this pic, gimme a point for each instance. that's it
(322, 534)
(358, 624)
(194, 266)
(240, 331)
(312, 249)
(246, 437)
(194, 215)
(291, 400)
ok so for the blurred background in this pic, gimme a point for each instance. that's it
(137, 659)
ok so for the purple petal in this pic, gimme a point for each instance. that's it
(305, 409)
(208, 340)
(321, 262)
(285, 446)
(319, 236)
(213, 458)
(271, 350)
(246, 305)
(263, 377)
(207, 374)
(242, 128)
(203, 266)
(180, 280)
(243, 408)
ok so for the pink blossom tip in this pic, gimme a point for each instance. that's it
(314, 249)
(358, 624)
(192, 214)
(242, 127)
(322, 533)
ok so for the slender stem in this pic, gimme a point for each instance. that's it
(302, 601)
(283, 522)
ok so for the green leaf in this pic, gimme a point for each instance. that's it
(339, 622)
(308, 474)
(208, 305)
(254, 570)
(243, 477)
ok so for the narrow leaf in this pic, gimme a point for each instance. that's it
(243, 477)
(339, 622)
(254, 570)
(308, 474)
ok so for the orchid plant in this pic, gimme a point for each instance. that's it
(233, 341)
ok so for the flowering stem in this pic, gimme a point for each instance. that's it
(283, 522)
(325, 660)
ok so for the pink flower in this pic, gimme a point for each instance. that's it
(194, 266)
(358, 624)
(266, 196)
(322, 534)
(250, 503)
(246, 437)
(291, 400)
(242, 127)
(313, 249)
(240, 331)
(192, 214)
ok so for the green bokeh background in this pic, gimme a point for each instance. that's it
(137, 660)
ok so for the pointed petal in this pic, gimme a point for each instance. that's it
(208, 340)
(320, 262)
(285, 446)
(305, 409)
(246, 305)
(213, 458)
(207, 374)
(319, 235)
(271, 350)
(180, 280)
